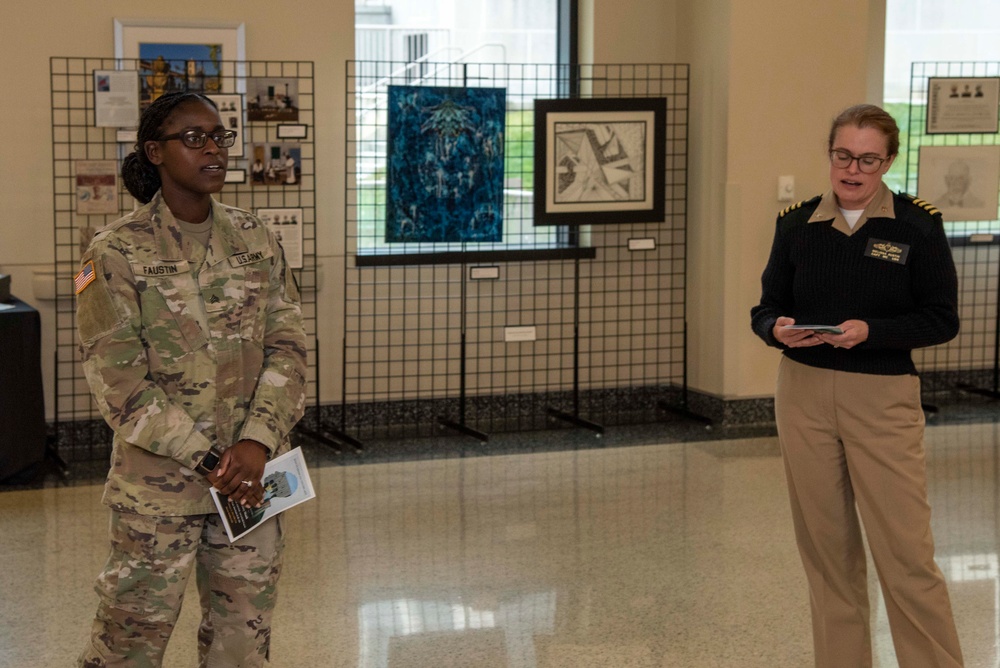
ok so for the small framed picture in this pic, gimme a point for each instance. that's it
(277, 164)
(231, 112)
(272, 99)
(962, 105)
(96, 187)
(293, 131)
(236, 176)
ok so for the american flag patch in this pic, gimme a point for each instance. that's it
(85, 277)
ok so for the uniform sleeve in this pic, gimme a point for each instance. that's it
(116, 365)
(934, 284)
(776, 297)
(280, 396)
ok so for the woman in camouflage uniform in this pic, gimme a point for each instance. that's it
(194, 349)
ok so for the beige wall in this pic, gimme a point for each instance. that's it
(766, 78)
(31, 32)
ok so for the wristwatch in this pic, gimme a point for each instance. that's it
(209, 462)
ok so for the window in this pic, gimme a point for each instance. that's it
(517, 45)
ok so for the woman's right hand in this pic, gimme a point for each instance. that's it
(793, 338)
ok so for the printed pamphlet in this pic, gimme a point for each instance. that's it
(286, 484)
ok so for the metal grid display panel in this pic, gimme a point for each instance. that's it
(633, 302)
(81, 433)
(463, 365)
(969, 360)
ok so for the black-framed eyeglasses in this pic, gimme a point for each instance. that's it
(197, 138)
(868, 164)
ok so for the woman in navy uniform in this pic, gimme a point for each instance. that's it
(877, 269)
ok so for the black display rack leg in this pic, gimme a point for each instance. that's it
(460, 426)
(52, 458)
(574, 417)
(682, 409)
(329, 437)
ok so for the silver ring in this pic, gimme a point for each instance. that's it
(248, 483)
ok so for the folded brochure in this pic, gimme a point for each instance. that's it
(826, 329)
(286, 484)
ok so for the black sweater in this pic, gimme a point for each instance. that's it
(819, 275)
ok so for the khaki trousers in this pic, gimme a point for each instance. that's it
(847, 440)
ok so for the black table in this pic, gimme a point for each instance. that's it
(22, 403)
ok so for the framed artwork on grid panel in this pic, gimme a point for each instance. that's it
(599, 160)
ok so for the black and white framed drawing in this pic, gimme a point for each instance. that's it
(599, 160)
(962, 105)
(231, 112)
(961, 181)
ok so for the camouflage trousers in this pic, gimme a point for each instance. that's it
(142, 587)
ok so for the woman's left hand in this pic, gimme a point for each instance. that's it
(855, 333)
(243, 462)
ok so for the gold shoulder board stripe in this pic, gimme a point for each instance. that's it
(791, 208)
(926, 206)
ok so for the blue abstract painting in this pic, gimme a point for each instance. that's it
(444, 178)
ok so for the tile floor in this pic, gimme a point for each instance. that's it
(649, 552)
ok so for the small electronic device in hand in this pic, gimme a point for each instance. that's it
(822, 329)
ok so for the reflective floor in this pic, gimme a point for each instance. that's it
(652, 555)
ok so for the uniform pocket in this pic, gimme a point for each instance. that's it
(253, 318)
(170, 327)
(151, 558)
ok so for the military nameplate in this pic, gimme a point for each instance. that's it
(887, 250)
(162, 268)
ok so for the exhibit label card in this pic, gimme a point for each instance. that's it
(116, 98)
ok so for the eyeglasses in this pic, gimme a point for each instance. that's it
(197, 138)
(868, 164)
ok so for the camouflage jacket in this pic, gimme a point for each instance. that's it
(184, 355)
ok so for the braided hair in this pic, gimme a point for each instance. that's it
(140, 176)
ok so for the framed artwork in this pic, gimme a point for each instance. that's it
(600, 160)
(287, 227)
(962, 105)
(181, 55)
(96, 187)
(293, 131)
(272, 99)
(444, 164)
(961, 181)
(231, 111)
(275, 164)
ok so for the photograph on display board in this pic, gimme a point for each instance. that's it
(599, 160)
(962, 105)
(287, 227)
(231, 112)
(961, 181)
(96, 187)
(444, 180)
(272, 99)
(169, 68)
(278, 164)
